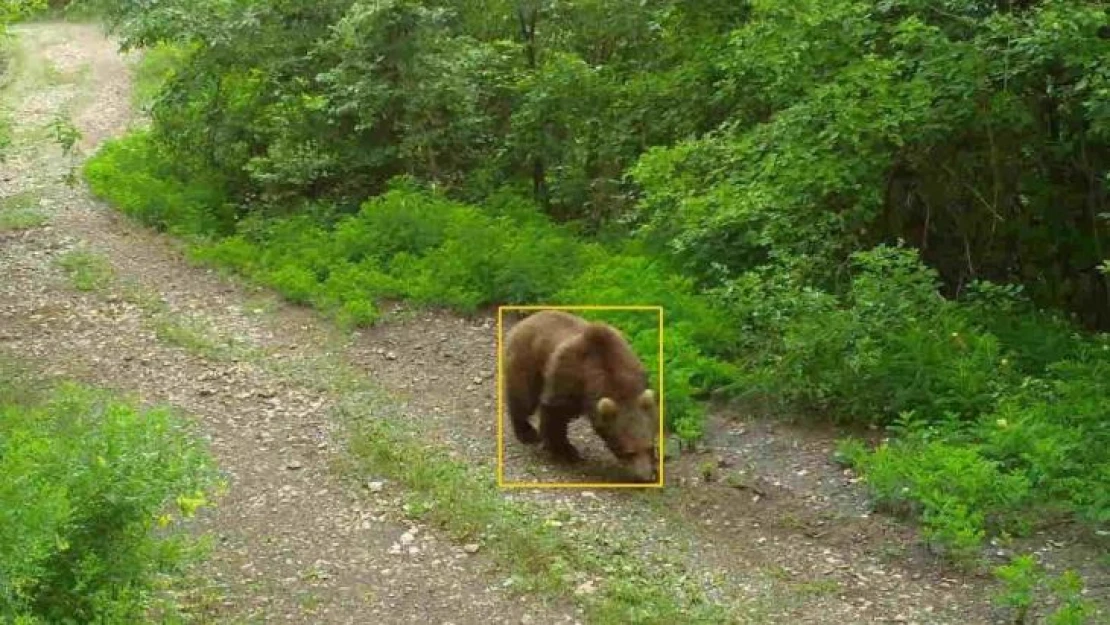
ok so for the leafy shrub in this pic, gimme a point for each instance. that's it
(1023, 577)
(86, 478)
(140, 179)
(958, 492)
(891, 344)
(989, 429)
(158, 66)
(14, 10)
(408, 244)
(1055, 432)
(386, 226)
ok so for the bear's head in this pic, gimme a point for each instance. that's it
(629, 429)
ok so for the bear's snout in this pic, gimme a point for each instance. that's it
(642, 467)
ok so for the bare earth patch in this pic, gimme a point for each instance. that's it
(760, 515)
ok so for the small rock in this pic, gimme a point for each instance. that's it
(293, 465)
(471, 548)
(376, 486)
(390, 356)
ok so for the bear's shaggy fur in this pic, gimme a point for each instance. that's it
(565, 367)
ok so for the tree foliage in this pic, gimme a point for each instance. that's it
(976, 131)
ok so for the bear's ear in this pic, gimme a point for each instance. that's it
(647, 400)
(606, 408)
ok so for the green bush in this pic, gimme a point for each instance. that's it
(1055, 433)
(890, 345)
(406, 243)
(958, 492)
(1024, 584)
(994, 433)
(83, 505)
(157, 67)
(140, 179)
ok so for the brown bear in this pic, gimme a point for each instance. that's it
(566, 367)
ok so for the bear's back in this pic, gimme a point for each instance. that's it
(560, 345)
(531, 343)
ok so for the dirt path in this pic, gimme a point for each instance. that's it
(779, 528)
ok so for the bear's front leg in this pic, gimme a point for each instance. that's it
(553, 429)
(519, 411)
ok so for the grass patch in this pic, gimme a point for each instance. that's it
(148, 301)
(92, 272)
(21, 212)
(21, 220)
(8, 53)
(87, 270)
(261, 305)
(192, 333)
(818, 587)
(5, 133)
(465, 502)
(1029, 591)
(197, 336)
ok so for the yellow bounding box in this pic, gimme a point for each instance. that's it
(660, 402)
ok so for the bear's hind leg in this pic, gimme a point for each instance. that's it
(553, 428)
